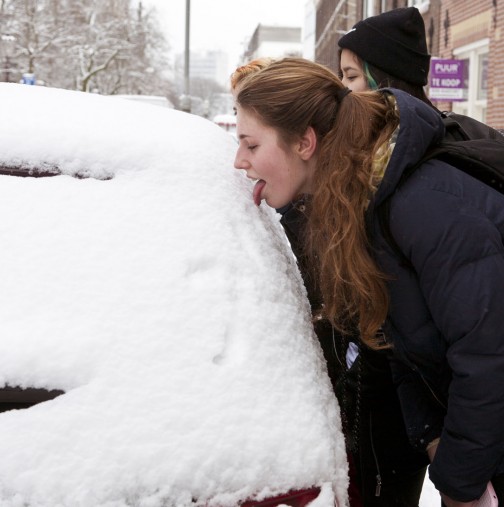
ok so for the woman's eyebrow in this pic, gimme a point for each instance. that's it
(349, 67)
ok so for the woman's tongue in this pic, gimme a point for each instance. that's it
(258, 188)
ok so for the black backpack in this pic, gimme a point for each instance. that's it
(468, 145)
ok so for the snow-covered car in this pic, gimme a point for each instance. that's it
(153, 324)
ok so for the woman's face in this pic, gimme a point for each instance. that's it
(282, 174)
(352, 72)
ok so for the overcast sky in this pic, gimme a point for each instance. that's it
(224, 24)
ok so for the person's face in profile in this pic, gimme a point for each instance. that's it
(352, 73)
(282, 172)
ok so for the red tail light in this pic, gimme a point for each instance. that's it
(293, 499)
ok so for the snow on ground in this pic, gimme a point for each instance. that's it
(430, 495)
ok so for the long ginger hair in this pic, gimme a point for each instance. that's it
(291, 95)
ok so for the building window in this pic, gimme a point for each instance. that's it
(476, 63)
(421, 5)
(368, 8)
(482, 76)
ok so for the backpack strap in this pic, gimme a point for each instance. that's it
(460, 127)
(453, 129)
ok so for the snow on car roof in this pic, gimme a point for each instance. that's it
(164, 303)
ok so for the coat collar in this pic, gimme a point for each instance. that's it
(420, 127)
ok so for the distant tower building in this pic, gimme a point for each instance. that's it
(275, 42)
(211, 65)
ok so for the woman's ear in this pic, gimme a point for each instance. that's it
(307, 144)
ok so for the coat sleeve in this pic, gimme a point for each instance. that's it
(458, 255)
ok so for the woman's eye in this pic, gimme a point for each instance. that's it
(252, 147)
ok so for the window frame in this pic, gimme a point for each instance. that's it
(474, 106)
(421, 5)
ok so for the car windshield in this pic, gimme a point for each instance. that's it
(164, 304)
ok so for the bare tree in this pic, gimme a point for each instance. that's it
(109, 46)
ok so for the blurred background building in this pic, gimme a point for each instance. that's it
(212, 65)
(466, 32)
(117, 47)
(274, 41)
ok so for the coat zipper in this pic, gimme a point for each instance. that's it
(378, 475)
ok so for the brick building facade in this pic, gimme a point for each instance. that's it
(467, 30)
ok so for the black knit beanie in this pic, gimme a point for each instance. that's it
(393, 42)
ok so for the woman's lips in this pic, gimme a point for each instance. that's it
(258, 188)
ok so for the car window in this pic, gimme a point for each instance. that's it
(21, 171)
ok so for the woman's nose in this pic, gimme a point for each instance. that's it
(240, 161)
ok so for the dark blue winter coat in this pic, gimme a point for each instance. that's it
(446, 317)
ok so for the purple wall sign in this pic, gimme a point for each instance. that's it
(447, 80)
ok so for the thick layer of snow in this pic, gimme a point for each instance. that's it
(164, 303)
